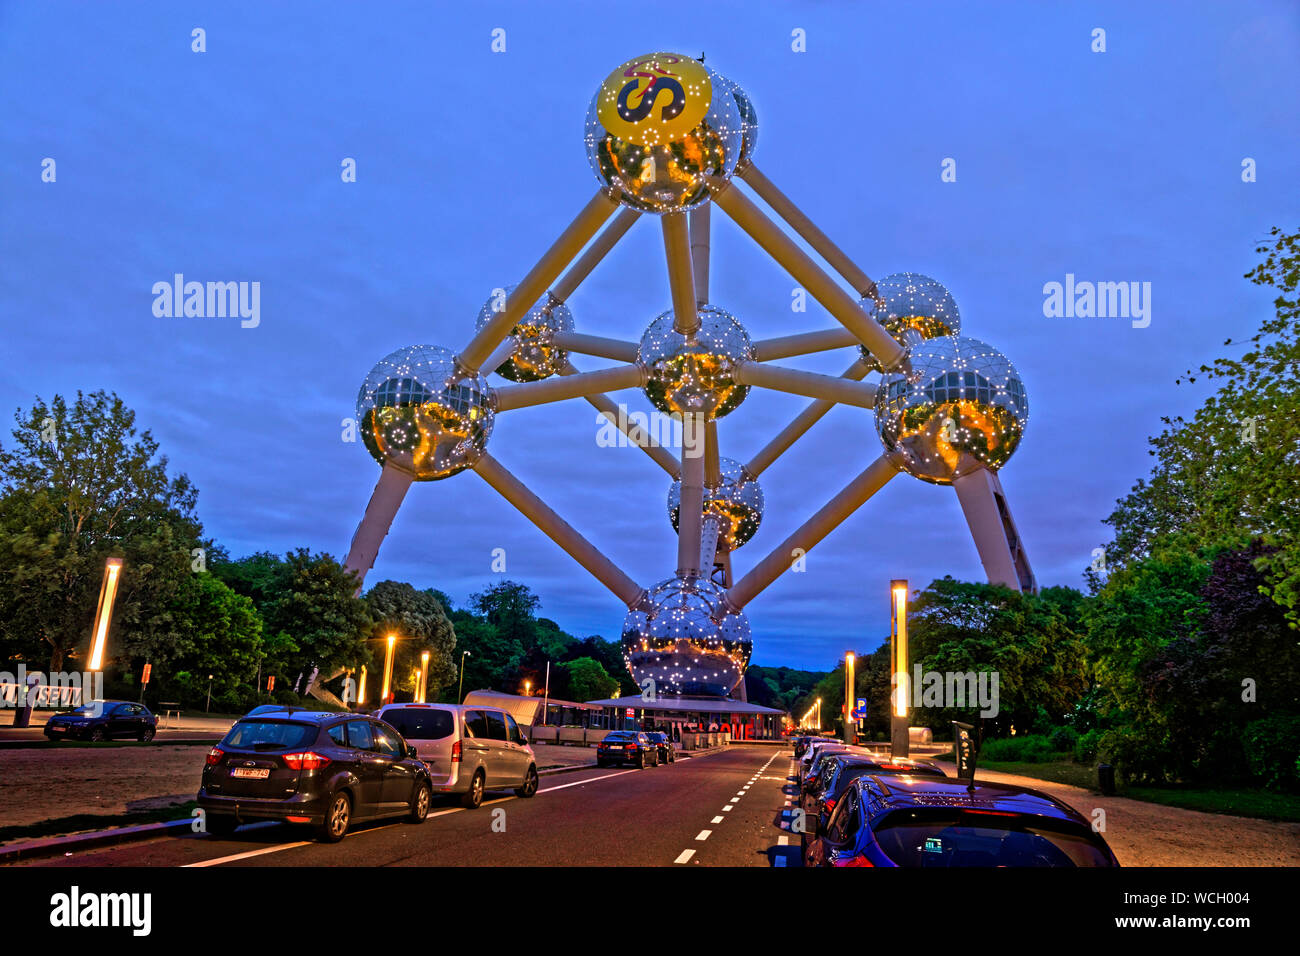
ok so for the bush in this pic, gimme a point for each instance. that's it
(1063, 739)
(1030, 748)
(1272, 746)
(1138, 758)
(1085, 748)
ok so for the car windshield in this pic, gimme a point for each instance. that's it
(620, 738)
(944, 843)
(269, 735)
(93, 709)
(419, 723)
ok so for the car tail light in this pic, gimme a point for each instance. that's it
(631, 747)
(830, 804)
(853, 861)
(455, 752)
(305, 761)
(214, 756)
(991, 813)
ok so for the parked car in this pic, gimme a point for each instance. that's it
(667, 752)
(814, 750)
(104, 720)
(920, 821)
(801, 744)
(838, 771)
(273, 708)
(627, 746)
(468, 749)
(326, 769)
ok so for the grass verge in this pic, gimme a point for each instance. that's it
(62, 826)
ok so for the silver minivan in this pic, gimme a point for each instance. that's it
(467, 748)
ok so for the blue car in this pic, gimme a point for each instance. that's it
(930, 822)
(104, 720)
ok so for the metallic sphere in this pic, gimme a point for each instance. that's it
(534, 357)
(737, 502)
(748, 120)
(960, 407)
(658, 128)
(911, 307)
(685, 638)
(695, 374)
(421, 415)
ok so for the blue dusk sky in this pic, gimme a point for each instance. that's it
(224, 165)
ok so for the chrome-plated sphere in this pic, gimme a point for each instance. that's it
(684, 637)
(911, 307)
(420, 414)
(658, 128)
(535, 356)
(695, 374)
(962, 406)
(737, 502)
(748, 120)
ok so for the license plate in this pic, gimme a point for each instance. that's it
(250, 773)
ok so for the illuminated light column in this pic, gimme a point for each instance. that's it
(900, 742)
(104, 613)
(361, 687)
(850, 685)
(388, 669)
(424, 677)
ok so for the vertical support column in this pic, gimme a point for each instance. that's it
(691, 511)
(899, 735)
(681, 276)
(384, 502)
(850, 689)
(700, 227)
(996, 539)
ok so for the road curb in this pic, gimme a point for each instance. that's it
(53, 846)
(161, 741)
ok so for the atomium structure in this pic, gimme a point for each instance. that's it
(669, 138)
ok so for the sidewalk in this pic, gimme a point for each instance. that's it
(188, 725)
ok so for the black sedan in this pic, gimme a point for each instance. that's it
(325, 769)
(627, 746)
(104, 720)
(667, 752)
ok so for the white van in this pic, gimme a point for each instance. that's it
(468, 749)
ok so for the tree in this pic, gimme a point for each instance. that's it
(78, 485)
(421, 624)
(317, 607)
(1232, 473)
(588, 680)
(219, 633)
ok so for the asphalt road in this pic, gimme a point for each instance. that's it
(724, 808)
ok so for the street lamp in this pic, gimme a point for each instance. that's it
(900, 745)
(424, 676)
(388, 668)
(528, 688)
(850, 726)
(208, 707)
(460, 694)
(361, 687)
(104, 613)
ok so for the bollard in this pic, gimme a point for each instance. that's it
(1106, 779)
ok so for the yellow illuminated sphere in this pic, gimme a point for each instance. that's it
(695, 374)
(659, 127)
(685, 638)
(911, 307)
(737, 502)
(535, 355)
(418, 413)
(961, 407)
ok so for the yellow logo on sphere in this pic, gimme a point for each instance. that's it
(654, 99)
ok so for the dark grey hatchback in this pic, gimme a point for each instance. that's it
(325, 769)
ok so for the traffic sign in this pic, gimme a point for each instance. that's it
(148, 669)
(860, 711)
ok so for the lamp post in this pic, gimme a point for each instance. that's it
(104, 613)
(900, 744)
(208, 706)
(388, 669)
(850, 725)
(424, 676)
(460, 694)
(528, 688)
(361, 687)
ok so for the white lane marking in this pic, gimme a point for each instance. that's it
(703, 834)
(716, 820)
(684, 856)
(727, 808)
(579, 783)
(734, 800)
(783, 841)
(245, 856)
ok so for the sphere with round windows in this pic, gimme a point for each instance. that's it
(737, 504)
(658, 128)
(419, 413)
(962, 406)
(535, 355)
(696, 373)
(685, 638)
(911, 307)
(748, 120)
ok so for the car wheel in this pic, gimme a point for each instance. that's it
(219, 824)
(474, 795)
(640, 761)
(97, 734)
(420, 805)
(337, 818)
(146, 735)
(530, 784)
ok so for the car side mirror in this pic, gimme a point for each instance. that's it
(411, 750)
(523, 741)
